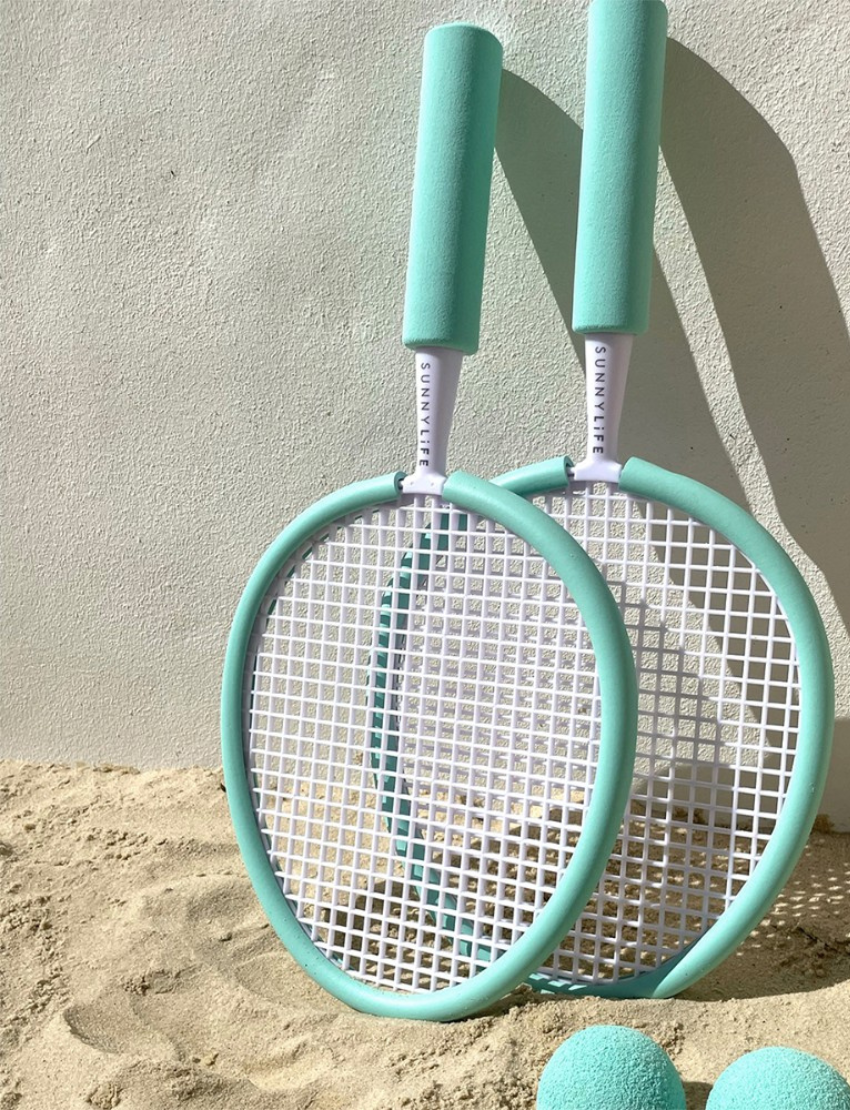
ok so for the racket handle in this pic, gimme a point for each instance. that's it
(619, 165)
(459, 103)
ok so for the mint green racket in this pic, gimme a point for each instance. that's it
(405, 717)
(735, 681)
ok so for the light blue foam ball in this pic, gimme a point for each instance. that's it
(779, 1079)
(610, 1067)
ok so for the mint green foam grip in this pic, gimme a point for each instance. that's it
(451, 192)
(619, 165)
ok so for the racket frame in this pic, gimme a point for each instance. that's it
(811, 760)
(617, 739)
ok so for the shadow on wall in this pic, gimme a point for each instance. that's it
(773, 295)
(774, 299)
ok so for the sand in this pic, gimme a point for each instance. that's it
(137, 970)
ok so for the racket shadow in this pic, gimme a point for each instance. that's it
(771, 287)
(781, 316)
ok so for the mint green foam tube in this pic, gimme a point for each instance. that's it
(622, 126)
(451, 193)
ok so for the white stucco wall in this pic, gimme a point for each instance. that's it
(205, 224)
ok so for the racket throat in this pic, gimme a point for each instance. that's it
(437, 377)
(607, 356)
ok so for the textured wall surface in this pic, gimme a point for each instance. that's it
(205, 213)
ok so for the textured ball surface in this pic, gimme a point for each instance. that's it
(779, 1079)
(610, 1067)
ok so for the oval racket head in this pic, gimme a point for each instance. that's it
(735, 683)
(734, 727)
(405, 728)
(406, 734)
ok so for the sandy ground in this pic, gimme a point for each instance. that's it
(136, 970)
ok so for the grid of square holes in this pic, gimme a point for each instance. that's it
(421, 714)
(718, 721)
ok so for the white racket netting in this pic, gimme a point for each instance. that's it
(717, 729)
(421, 715)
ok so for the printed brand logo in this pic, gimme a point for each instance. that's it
(600, 379)
(424, 413)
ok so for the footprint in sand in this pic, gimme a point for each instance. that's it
(222, 949)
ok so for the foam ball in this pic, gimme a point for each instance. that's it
(779, 1079)
(613, 1067)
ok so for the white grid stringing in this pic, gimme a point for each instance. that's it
(718, 720)
(421, 717)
